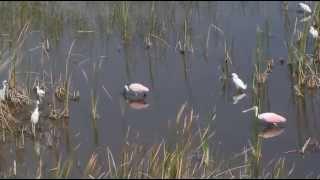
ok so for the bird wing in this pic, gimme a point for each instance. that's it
(271, 117)
(313, 32)
(138, 87)
(41, 92)
(305, 7)
(35, 117)
(239, 83)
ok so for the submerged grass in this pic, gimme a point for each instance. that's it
(121, 18)
(304, 53)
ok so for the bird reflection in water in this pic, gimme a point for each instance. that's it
(137, 104)
(271, 131)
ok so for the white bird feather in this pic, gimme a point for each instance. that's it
(40, 92)
(305, 7)
(35, 117)
(3, 90)
(238, 82)
(137, 88)
(313, 32)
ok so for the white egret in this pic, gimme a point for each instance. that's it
(313, 32)
(3, 91)
(238, 82)
(35, 118)
(305, 7)
(40, 92)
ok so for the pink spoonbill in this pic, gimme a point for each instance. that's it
(136, 89)
(268, 117)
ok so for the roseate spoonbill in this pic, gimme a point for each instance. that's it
(35, 118)
(3, 91)
(136, 88)
(271, 132)
(237, 98)
(238, 82)
(314, 33)
(268, 117)
(305, 7)
(40, 92)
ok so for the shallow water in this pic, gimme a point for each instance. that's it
(172, 77)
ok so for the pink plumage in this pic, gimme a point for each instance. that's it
(271, 117)
(138, 104)
(139, 88)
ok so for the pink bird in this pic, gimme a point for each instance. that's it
(136, 88)
(268, 117)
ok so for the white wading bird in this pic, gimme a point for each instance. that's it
(305, 7)
(313, 32)
(40, 92)
(238, 82)
(35, 118)
(3, 91)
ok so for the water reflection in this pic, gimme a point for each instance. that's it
(236, 98)
(137, 104)
(306, 120)
(270, 132)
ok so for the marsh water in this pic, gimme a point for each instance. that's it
(193, 77)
